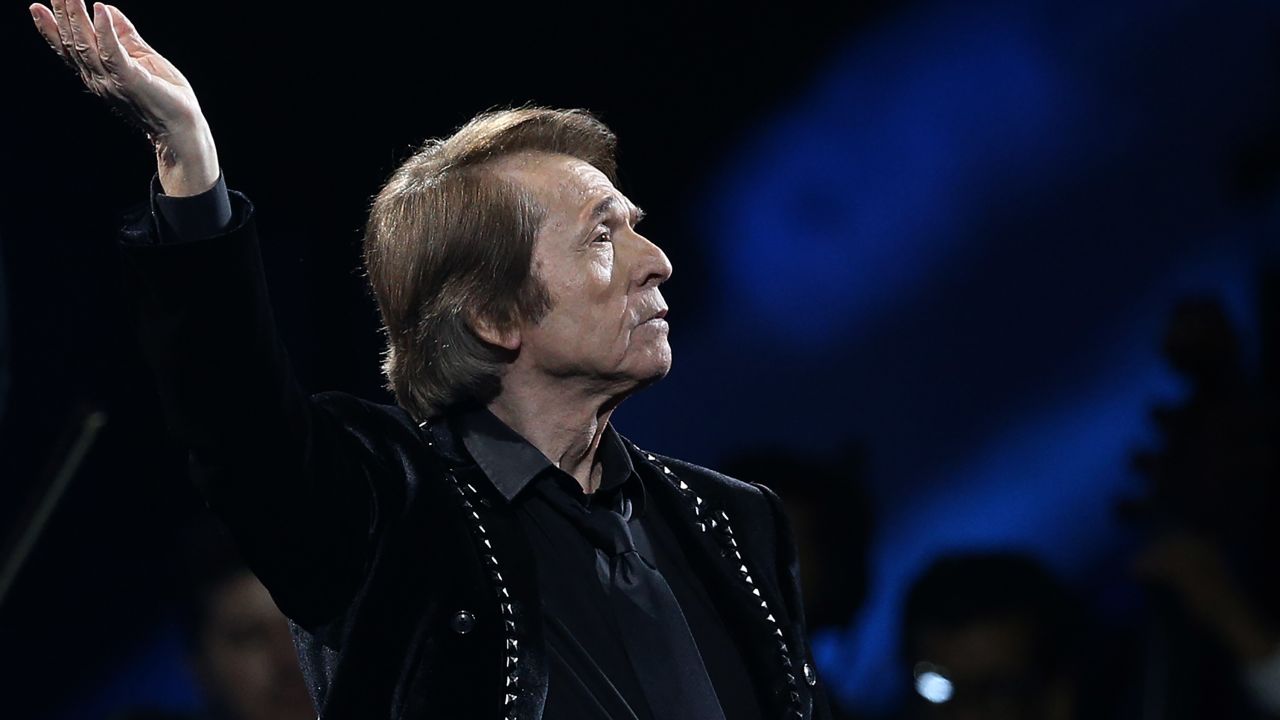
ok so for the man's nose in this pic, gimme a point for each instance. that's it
(655, 267)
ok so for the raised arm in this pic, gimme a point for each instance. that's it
(285, 471)
(116, 64)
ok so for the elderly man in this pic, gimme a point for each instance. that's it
(490, 547)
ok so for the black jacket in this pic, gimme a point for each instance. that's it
(411, 593)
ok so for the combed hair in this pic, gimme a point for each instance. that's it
(449, 241)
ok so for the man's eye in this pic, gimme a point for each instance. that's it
(604, 236)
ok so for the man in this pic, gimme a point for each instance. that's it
(490, 547)
(238, 646)
(992, 637)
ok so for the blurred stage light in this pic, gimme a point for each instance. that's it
(932, 684)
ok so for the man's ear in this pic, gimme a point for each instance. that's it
(490, 332)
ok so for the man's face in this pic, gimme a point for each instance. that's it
(246, 661)
(607, 321)
(991, 666)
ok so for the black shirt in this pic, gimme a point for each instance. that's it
(589, 674)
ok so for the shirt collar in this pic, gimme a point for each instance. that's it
(512, 462)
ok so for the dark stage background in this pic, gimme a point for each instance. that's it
(947, 235)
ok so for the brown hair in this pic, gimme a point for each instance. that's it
(450, 241)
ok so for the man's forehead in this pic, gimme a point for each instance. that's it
(572, 184)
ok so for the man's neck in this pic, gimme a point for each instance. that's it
(566, 427)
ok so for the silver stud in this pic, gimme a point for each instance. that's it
(509, 699)
(755, 591)
(809, 676)
(769, 617)
(667, 470)
(683, 485)
(650, 457)
(749, 580)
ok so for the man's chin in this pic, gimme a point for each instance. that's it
(657, 374)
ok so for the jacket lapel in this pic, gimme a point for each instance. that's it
(509, 566)
(750, 608)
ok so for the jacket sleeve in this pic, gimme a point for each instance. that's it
(191, 218)
(788, 562)
(283, 472)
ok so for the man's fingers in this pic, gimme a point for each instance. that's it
(47, 24)
(114, 61)
(130, 40)
(64, 36)
(84, 40)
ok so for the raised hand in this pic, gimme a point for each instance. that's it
(116, 64)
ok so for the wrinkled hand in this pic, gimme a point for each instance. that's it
(116, 64)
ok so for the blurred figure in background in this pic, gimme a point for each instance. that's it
(240, 648)
(991, 637)
(1226, 621)
(1213, 644)
(830, 516)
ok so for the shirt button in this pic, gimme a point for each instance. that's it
(462, 622)
(809, 677)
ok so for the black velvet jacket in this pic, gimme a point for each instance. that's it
(411, 592)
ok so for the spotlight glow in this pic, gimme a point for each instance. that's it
(934, 687)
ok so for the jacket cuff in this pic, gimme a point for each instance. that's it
(192, 218)
(165, 220)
